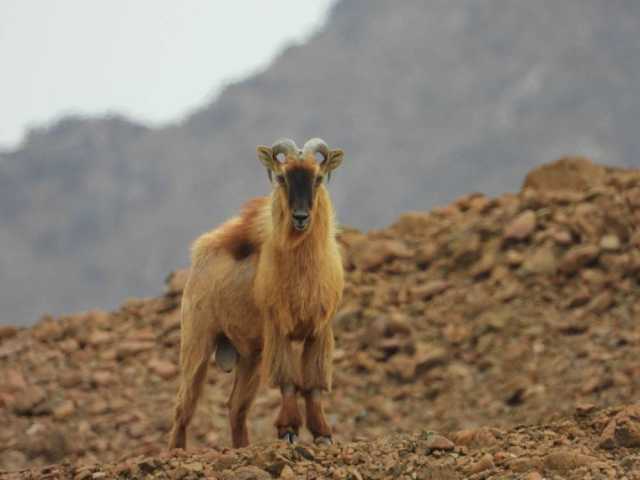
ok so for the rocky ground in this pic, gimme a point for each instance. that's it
(507, 325)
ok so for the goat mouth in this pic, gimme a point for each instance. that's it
(300, 226)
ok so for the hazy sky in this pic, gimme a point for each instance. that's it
(151, 59)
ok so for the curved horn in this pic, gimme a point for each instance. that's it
(316, 145)
(284, 145)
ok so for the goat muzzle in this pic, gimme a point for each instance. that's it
(300, 219)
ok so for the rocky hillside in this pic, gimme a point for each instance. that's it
(429, 99)
(471, 321)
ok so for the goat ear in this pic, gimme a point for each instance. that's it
(265, 155)
(333, 161)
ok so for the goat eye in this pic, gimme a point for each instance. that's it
(280, 179)
(319, 180)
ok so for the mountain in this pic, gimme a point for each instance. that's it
(429, 100)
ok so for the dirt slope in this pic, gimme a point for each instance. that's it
(566, 449)
(480, 316)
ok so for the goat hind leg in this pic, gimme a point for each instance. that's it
(245, 387)
(195, 351)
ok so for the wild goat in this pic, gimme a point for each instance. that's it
(260, 281)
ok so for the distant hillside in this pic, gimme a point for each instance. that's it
(429, 99)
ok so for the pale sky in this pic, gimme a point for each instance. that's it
(153, 60)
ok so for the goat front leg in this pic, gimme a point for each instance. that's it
(280, 368)
(317, 358)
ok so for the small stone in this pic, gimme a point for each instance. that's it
(534, 476)
(102, 378)
(7, 331)
(623, 430)
(14, 380)
(562, 237)
(602, 302)
(542, 261)
(584, 409)
(69, 345)
(372, 254)
(179, 473)
(578, 257)
(514, 258)
(610, 243)
(163, 368)
(194, 466)
(429, 289)
(83, 475)
(438, 442)
(70, 379)
(64, 409)
(564, 460)
(479, 438)
(99, 337)
(521, 227)
(485, 463)
(287, 473)
(250, 473)
(137, 430)
(133, 347)
(28, 400)
(98, 407)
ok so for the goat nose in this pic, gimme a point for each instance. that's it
(300, 215)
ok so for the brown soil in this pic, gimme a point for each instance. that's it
(469, 321)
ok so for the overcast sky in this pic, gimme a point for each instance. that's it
(154, 60)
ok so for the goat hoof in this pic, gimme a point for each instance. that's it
(290, 437)
(322, 440)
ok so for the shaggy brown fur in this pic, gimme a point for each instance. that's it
(261, 284)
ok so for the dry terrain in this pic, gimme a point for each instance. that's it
(490, 338)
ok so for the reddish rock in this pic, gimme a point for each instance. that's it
(623, 430)
(28, 401)
(7, 331)
(99, 337)
(372, 254)
(578, 257)
(541, 261)
(102, 378)
(163, 368)
(438, 442)
(429, 289)
(485, 463)
(478, 438)
(14, 380)
(567, 173)
(133, 347)
(521, 227)
(566, 460)
(562, 237)
(64, 409)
